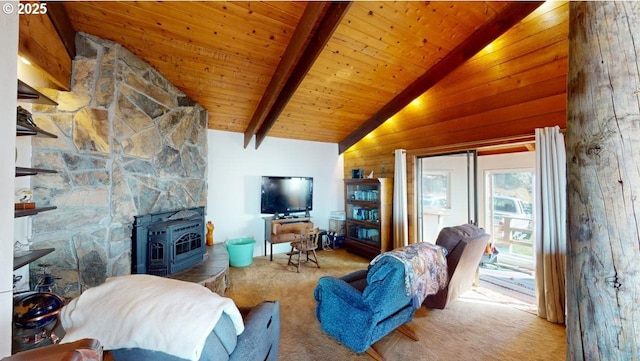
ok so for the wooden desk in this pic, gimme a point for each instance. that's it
(283, 230)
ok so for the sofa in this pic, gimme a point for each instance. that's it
(465, 246)
(145, 317)
(258, 341)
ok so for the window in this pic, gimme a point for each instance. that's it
(435, 190)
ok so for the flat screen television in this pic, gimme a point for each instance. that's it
(286, 195)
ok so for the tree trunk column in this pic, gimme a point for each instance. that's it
(603, 174)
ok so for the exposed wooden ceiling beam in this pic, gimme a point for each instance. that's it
(327, 26)
(312, 13)
(483, 36)
(60, 20)
(40, 44)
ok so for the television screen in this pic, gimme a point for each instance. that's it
(285, 195)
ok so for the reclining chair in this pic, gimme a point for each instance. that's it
(364, 306)
(465, 245)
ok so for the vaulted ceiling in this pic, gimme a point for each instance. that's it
(319, 71)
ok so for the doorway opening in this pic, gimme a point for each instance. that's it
(496, 193)
(446, 192)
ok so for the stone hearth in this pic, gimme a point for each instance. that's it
(212, 273)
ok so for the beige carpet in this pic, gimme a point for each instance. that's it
(481, 325)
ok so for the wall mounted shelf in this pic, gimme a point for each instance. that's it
(29, 95)
(31, 212)
(30, 256)
(22, 171)
(26, 129)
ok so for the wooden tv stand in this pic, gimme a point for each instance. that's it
(283, 230)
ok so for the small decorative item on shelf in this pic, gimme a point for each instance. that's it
(24, 195)
(25, 205)
(209, 236)
(16, 279)
(24, 116)
(20, 249)
(23, 199)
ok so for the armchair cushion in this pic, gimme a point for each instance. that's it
(357, 279)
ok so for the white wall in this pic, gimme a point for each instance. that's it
(8, 90)
(234, 178)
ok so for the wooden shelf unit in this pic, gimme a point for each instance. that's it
(28, 94)
(368, 206)
(23, 258)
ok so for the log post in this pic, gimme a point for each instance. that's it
(603, 175)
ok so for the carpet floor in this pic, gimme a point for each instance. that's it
(480, 325)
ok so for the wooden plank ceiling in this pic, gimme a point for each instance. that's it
(238, 59)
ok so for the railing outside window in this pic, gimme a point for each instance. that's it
(514, 235)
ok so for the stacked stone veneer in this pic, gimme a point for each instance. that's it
(129, 143)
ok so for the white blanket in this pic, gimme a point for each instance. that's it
(148, 312)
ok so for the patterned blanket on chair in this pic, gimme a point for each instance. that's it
(425, 266)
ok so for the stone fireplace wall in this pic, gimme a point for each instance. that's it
(129, 143)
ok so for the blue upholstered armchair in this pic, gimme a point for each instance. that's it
(362, 307)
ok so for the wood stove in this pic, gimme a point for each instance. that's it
(169, 242)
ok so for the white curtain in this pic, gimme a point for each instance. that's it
(551, 223)
(400, 217)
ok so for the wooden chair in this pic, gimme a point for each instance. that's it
(307, 244)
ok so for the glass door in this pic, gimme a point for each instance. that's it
(446, 192)
(509, 214)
